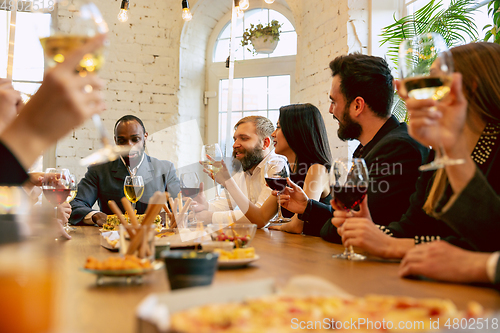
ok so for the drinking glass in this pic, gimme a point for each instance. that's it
(133, 187)
(348, 186)
(73, 188)
(77, 21)
(56, 186)
(426, 66)
(190, 187)
(276, 172)
(211, 158)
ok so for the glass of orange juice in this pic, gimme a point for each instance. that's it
(26, 265)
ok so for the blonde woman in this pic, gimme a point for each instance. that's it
(459, 204)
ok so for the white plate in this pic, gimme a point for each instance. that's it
(112, 235)
(237, 262)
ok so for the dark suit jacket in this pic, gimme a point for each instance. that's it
(392, 158)
(105, 182)
(471, 222)
(11, 171)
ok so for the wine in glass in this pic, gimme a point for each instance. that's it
(426, 66)
(56, 186)
(190, 186)
(78, 21)
(211, 158)
(276, 172)
(133, 187)
(73, 188)
(348, 186)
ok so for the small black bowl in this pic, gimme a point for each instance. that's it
(187, 268)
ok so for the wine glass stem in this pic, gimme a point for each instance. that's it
(280, 216)
(133, 206)
(216, 190)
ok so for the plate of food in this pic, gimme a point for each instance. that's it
(113, 222)
(110, 240)
(127, 266)
(239, 257)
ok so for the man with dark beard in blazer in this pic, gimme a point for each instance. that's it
(361, 98)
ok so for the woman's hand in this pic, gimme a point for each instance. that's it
(445, 262)
(433, 123)
(293, 198)
(294, 227)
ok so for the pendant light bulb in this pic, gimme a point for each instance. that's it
(244, 4)
(269, 1)
(186, 12)
(186, 15)
(239, 12)
(123, 15)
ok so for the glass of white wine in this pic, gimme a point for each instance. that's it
(426, 66)
(211, 158)
(75, 23)
(133, 187)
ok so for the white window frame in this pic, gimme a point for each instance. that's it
(217, 71)
(49, 156)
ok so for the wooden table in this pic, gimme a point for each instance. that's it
(85, 307)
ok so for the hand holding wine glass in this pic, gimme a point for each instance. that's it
(64, 37)
(426, 67)
(348, 186)
(276, 173)
(56, 186)
(211, 159)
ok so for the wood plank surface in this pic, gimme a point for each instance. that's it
(86, 307)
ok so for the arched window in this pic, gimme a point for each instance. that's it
(262, 82)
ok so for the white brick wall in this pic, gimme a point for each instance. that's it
(156, 69)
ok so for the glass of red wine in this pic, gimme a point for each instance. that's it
(348, 186)
(56, 186)
(276, 172)
(190, 187)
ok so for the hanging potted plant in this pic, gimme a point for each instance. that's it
(264, 38)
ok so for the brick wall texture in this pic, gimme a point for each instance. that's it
(156, 69)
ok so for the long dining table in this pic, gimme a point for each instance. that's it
(84, 306)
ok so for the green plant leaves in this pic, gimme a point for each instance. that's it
(272, 29)
(449, 22)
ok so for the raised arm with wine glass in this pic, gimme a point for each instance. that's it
(252, 149)
(301, 137)
(59, 105)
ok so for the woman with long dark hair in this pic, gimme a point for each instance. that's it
(301, 137)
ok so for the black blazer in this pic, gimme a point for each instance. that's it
(471, 221)
(11, 171)
(104, 182)
(392, 158)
